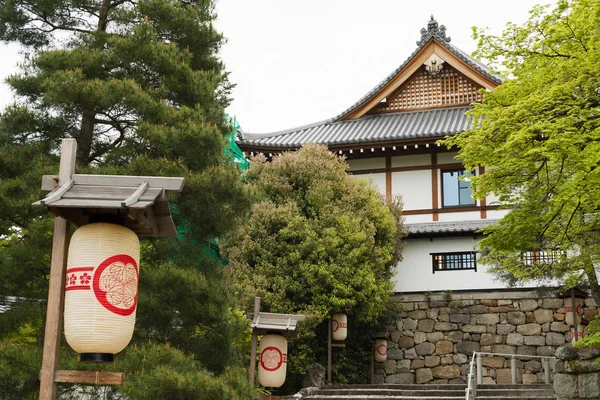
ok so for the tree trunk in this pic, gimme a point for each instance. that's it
(590, 272)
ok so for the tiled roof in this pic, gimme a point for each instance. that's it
(420, 124)
(447, 227)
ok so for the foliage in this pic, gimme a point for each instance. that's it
(317, 241)
(538, 135)
(141, 88)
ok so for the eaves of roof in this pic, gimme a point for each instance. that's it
(447, 228)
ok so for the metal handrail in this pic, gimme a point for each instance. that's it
(476, 378)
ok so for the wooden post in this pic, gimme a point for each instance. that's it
(252, 370)
(329, 354)
(574, 313)
(56, 290)
(372, 367)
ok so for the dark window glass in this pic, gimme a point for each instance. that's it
(454, 261)
(456, 191)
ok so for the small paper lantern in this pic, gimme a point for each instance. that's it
(380, 350)
(569, 311)
(272, 360)
(580, 333)
(339, 326)
(101, 290)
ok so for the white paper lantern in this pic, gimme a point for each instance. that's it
(272, 361)
(101, 290)
(580, 333)
(569, 311)
(339, 326)
(380, 350)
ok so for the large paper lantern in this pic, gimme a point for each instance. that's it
(272, 361)
(339, 326)
(101, 290)
(380, 350)
(569, 311)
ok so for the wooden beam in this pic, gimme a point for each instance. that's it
(56, 291)
(135, 196)
(54, 196)
(167, 183)
(434, 186)
(388, 177)
(89, 377)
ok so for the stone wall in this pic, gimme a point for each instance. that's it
(435, 335)
(577, 373)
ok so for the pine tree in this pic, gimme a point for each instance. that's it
(140, 86)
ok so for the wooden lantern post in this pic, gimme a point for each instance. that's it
(137, 202)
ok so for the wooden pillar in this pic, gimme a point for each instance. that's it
(434, 187)
(329, 339)
(56, 291)
(388, 177)
(252, 370)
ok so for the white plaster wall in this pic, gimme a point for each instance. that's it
(366, 163)
(447, 158)
(460, 216)
(414, 272)
(414, 187)
(411, 161)
(497, 214)
(377, 179)
(413, 219)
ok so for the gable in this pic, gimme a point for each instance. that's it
(448, 87)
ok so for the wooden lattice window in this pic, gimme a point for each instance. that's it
(424, 90)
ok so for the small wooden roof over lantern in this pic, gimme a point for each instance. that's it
(286, 324)
(136, 202)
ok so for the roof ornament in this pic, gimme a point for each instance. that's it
(433, 30)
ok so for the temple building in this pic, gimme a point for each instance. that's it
(390, 135)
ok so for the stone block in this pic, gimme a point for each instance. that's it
(504, 302)
(416, 364)
(446, 372)
(488, 302)
(529, 329)
(443, 347)
(409, 324)
(478, 309)
(488, 319)
(395, 335)
(542, 316)
(586, 353)
(423, 375)
(420, 337)
(408, 333)
(425, 349)
(422, 305)
(546, 351)
(411, 354)
(426, 325)
(527, 350)
(444, 326)
(566, 385)
(515, 317)
(417, 314)
(493, 362)
(467, 347)
(503, 318)
(590, 302)
(528, 305)
(460, 319)
(566, 352)
(432, 361)
(504, 329)
(559, 327)
(486, 349)
(447, 360)
(460, 358)
(555, 339)
(514, 339)
(406, 342)
(504, 376)
(435, 337)
(379, 379)
(475, 337)
(389, 366)
(487, 339)
(455, 336)
(502, 309)
(488, 380)
(533, 366)
(491, 328)
(395, 354)
(552, 303)
(590, 313)
(403, 366)
(474, 328)
(529, 317)
(408, 306)
(433, 313)
(504, 349)
(404, 378)
(443, 318)
(559, 316)
(534, 340)
(589, 386)
(529, 379)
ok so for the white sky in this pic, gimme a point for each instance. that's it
(302, 61)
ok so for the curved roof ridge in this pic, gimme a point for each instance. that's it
(251, 136)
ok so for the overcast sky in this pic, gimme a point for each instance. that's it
(302, 61)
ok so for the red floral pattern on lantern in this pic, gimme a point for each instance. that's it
(382, 349)
(116, 284)
(271, 358)
(85, 278)
(73, 279)
(335, 325)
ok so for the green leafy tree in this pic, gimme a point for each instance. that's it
(318, 241)
(538, 135)
(140, 86)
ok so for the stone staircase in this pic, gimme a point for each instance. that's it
(430, 392)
